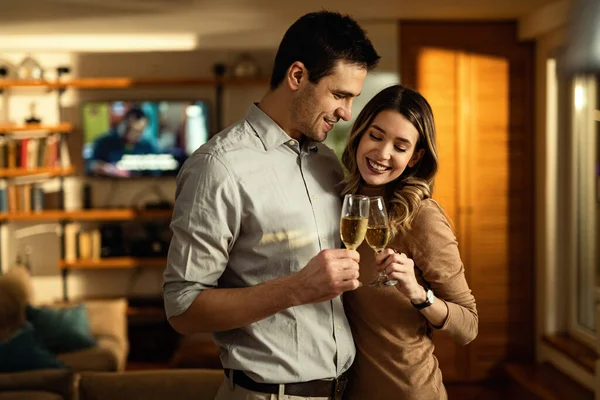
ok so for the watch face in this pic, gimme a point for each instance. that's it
(430, 296)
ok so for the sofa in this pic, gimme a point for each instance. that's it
(105, 319)
(55, 384)
(180, 384)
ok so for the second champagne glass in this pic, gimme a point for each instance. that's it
(354, 220)
(378, 235)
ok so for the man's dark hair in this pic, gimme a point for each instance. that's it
(135, 113)
(319, 40)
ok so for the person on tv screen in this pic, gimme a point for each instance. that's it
(125, 139)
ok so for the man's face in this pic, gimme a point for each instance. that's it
(317, 107)
(134, 129)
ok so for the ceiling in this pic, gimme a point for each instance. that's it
(228, 20)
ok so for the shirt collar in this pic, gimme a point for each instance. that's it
(270, 134)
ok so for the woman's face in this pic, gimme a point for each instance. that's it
(387, 148)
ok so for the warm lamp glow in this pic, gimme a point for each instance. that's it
(100, 42)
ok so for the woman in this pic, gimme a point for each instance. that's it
(391, 153)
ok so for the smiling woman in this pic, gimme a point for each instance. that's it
(391, 154)
(387, 148)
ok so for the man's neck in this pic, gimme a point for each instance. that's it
(276, 105)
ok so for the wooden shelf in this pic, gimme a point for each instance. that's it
(121, 83)
(230, 81)
(51, 171)
(88, 215)
(145, 311)
(116, 214)
(36, 128)
(113, 263)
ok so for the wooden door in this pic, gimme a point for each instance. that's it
(478, 80)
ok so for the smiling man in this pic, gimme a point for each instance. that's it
(255, 256)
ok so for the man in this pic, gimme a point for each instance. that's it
(126, 138)
(257, 217)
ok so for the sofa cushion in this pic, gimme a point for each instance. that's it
(54, 381)
(24, 352)
(30, 395)
(62, 330)
(98, 358)
(108, 324)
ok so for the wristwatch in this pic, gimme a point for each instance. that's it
(428, 301)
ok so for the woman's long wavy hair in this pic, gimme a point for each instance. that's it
(404, 195)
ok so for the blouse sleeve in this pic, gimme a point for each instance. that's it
(435, 252)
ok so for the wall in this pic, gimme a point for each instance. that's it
(111, 193)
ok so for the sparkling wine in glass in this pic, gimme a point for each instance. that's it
(378, 235)
(354, 220)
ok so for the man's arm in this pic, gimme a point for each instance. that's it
(206, 222)
(326, 276)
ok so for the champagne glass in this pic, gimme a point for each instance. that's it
(378, 235)
(354, 220)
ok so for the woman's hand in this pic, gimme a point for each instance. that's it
(397, 266)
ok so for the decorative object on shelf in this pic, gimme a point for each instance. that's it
(8, 70)
(219, 69)
(245, 66)
(30, 69)
(32, 119)
(62, 72)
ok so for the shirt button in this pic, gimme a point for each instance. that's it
(292, 142)
(314, 196)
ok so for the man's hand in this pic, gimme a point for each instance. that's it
(327, 275)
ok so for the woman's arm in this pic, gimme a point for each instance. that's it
(436, 313)
(434, 251)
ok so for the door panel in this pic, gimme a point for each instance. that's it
(478, 80)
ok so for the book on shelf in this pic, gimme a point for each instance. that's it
(81, 244)
(24, 198)
(3, 197)
(34, 152)
(3, 152)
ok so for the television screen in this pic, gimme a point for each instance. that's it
(142, 138)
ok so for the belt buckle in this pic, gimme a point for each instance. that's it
(339, 385)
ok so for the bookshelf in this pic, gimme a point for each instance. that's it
(35, 128)
(126, 83)
(47, 171)
(17, 172)
(88, 215)
(113, 262)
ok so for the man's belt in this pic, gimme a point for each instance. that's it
(319, 388)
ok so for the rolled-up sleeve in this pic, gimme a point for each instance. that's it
(205, 224)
